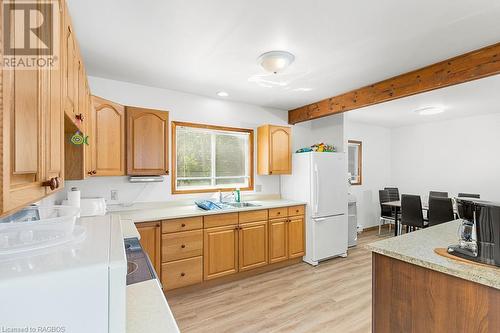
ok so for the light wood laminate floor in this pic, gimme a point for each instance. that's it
(332, 297)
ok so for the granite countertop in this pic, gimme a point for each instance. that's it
(418, 248)
(146, 212)
(148, 310)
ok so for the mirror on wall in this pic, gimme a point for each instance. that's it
(355, 155)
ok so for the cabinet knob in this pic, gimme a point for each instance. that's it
(166, 172)
(94, 172)
(270, 172)
(90, 173)
(52, 183)
(183, 274)
(183, 246)
(279, 213)
(183, 225)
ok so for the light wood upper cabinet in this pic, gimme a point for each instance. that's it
(278, 240)
(274, 145)
(253, 245)
(296, 237)
(147, 142)
(151, 241)
(110, 137)
(220, 251)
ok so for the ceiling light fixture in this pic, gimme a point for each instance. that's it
(275, 61)
(430, 111)
(222, 94)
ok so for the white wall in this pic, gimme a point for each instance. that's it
(376, 168)
(194, 108)
(459, 155)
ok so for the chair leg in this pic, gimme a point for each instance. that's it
(379, 226)
(390, 224)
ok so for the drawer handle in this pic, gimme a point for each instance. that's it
(183, 274)
(279, 213)
(183, 225)
(183, 246)
(296, 211)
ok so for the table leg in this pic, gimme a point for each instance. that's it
(396, 228)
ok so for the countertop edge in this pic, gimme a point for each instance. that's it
(129, 215)
(435, 267)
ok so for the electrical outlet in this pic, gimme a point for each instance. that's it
(114, 195)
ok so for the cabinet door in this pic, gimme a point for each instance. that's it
(278, 240)
(253, 245)
(110, 137)
(150, 242)
(22, 136)
(220, 251)
(147, 142)
(54, 122)
(280, 150)
(70, 81)
(296, 240)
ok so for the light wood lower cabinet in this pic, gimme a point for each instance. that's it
(220, 251)
(182, 273)
(182, 245)
(150, 241)
(253, 245)
(197, 249)
(296, 242)
(278, 240)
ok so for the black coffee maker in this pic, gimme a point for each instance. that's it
(480, 232)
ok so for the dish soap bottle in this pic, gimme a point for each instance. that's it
(237, 195)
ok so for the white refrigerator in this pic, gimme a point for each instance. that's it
(320, 180)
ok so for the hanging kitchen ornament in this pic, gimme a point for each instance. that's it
(79, 139)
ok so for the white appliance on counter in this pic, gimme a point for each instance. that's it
(320, 180)
(77, 287)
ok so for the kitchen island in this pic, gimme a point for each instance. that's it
(416, 290)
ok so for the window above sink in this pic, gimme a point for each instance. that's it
(210, 158)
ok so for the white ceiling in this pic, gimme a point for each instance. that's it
(469, 99)
(201, 46)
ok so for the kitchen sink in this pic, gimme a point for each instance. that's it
(242, 204)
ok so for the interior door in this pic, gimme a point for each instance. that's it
(253, 245)
(147, 142)
(110, 137)
(329, 184)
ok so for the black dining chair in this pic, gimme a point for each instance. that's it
(440, 210)
(411, 212)
(386, 212)
(393, 193)
(438, 194)
(469, 195)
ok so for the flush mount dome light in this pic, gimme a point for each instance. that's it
(275, 61)
(429, 111)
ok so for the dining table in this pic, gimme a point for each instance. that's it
(396, 208)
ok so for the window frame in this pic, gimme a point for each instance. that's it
(359, 181)
(173, 179)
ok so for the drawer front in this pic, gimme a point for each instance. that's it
(295, 210)
(185, 224)
(276, 213)
(181, 245)
(253, 216)
(220, 220)
(182, 273)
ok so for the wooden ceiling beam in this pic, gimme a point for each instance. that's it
(467, 67)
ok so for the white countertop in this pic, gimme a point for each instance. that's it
(129, 230)
(148, 310)
(146, 212)
(418, 248)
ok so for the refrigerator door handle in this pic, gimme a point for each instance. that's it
(316, 186)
